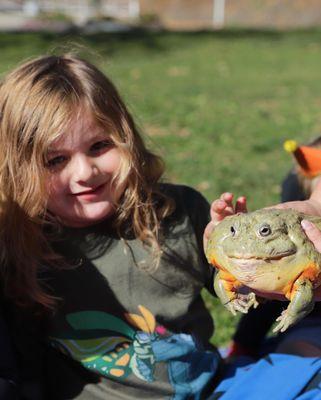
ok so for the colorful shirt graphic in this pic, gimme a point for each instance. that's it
(134, 348)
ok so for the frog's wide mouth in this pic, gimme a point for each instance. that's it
(253, 259)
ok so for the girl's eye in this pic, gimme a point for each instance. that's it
(55, 161)
(96, 147)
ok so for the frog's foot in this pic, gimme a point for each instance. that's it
(285, 320)
(288, 318)
(301, 304)
(242, 303)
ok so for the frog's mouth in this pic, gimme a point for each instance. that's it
(248, 260)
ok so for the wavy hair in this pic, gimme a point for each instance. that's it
(37, 101)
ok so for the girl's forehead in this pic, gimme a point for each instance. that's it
(80, 130)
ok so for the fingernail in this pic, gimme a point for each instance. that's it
(306, 224)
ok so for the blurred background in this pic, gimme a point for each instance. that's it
(216, 86)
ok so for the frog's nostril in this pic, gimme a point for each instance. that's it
(233, 230)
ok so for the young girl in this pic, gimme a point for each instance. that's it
(102, 265)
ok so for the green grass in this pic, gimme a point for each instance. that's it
(217, 106)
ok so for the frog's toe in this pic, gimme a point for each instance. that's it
(236, 305)
(241, 307)
(230, 306)
(248, 300)
(256, 304)
(242, 303)
(252, 302)
(285, 320)
(281, 327)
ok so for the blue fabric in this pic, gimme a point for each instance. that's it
(277, 377)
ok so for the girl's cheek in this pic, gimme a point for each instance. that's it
(48, 184)
(54, 185)
(112, 161)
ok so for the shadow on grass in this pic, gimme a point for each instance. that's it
(160, 41)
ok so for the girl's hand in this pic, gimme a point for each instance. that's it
(222, 208)
(310, 206)
(314, 234)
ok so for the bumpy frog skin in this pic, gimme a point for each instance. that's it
(265, 252)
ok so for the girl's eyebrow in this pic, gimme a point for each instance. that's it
(98, 136)
(51, 152)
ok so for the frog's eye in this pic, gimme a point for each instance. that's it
(265, 230)
(232, 230)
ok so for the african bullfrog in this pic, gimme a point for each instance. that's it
(265, 253)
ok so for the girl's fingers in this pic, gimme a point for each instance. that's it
(219, 211)
(223, 206)
(208, 230)
(218, 206)
(240, 205)
(228, 199)
(312, 233)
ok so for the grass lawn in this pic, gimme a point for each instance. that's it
(217, 106)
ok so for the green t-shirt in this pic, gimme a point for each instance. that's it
(121, 330)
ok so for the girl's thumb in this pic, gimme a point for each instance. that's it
(313, 233)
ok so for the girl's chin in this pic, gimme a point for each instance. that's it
(89, 217)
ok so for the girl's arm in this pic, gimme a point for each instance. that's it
(310, 206)
(314, 234)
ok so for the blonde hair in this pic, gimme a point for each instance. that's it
(37, 101)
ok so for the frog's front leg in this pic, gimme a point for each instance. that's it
(226, 288)
(301, 304)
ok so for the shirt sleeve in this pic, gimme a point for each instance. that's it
(199, 212)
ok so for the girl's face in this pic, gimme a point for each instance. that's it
(81, 164)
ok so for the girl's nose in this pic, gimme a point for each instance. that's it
(84, 168)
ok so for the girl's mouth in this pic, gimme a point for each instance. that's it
(90, 194)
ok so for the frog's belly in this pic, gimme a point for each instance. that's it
(265, 276)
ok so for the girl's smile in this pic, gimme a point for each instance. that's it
(82, 164)
(91, 194)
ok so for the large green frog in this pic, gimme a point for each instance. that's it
(265, 252)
